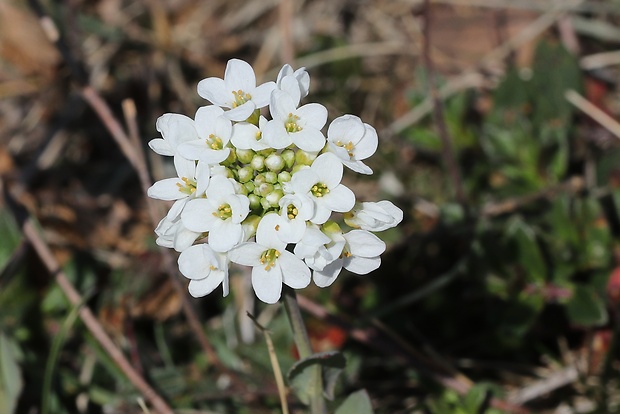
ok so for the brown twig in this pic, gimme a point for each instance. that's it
(287, 51)
(438, 116)
(86, 315)
(137, 160)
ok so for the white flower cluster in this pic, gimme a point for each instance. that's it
(249, 187)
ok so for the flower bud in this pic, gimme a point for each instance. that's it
(275, 162)
(250, 224)
(249, 186)
(245, 174)
(260, 179)
(271, 177)
(264, 189)
(289, 157)
(258, 162)
(254, 202)
(245, 155)
(265, 204)
(284, 177)
(273, 198)
(305, 158)
(232, 157)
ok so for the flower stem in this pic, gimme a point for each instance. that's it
(302, 341)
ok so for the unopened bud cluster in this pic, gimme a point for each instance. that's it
(261, 192)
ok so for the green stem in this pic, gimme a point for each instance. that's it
(302, 341)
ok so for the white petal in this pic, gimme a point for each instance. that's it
(247, 254)
(224, 235)
(321, 214)
(267, 284)
(205, 119)
(244, 135)
(161, 147)
(340, 199)
(219, 187)
(262, 93)
(184, 238)
(240, 206)
(177, 208)
(239, 75)
(202, 287)
(241, 113)
(327, 276)
(368, 145)
(309, 139)
(275, 135)
(196, 261)
(362, 265)
(266, 233)
(197, 215)
(312, 114)
(346, 128)
(281, 104)
(290, 85)
(166, 189)
(176, 128)
(364, 244)
(214, 90)
(185, 167)
(295, 273)
(303, 180)
(358, 167)
(328, 168)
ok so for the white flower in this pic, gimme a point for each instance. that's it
(319, 248)
(248, 136)
(214, 132)
(291, 125)
(171, 233)
(295, 210)
(205, 268)
(221, 214)
(192, 182)
(371, 216)
(271, 263)
(175, 130)
(237, 91)
(295, 83)
(360, 255)
(321, 182)
(352, 141)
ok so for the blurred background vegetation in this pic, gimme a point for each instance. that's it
(499, 292)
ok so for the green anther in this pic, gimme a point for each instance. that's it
(214, 142)
(291, 211)
(240, 98)
(319, 190)
(190, 186)
(223, 212)
(269, 258)
(291, 123)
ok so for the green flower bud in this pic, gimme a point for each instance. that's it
(271, 177)
(331, 227)
(249, 186)
(254, 202)
(264, 204)
(288, 156)
(273, 198)
(253, 119)
(245, 174)
(245, 155)
(284, 177)
(258, 162)
(250, 224)
(305, 158)
(275, 162)
(232, 158)
(264, 189)
(260, 179)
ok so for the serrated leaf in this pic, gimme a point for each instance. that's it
(356, 403)
(301, 375)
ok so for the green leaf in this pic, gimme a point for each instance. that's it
(586, 307)
(301, 374)
(11, 383)
(356, 403)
